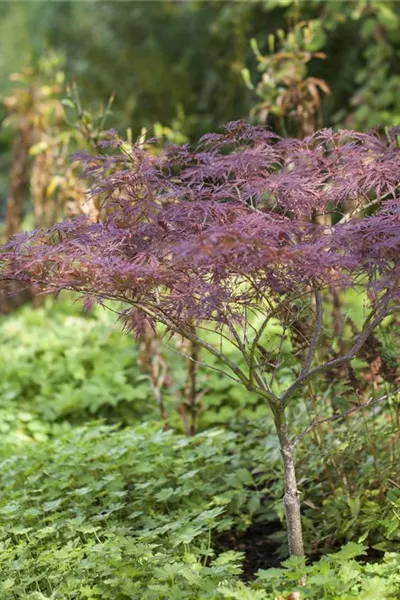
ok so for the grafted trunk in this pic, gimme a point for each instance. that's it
(291, 497)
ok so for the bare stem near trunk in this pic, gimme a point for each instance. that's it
(291, 497)
(151, 362)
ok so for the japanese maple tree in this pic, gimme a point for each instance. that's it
(246, 230)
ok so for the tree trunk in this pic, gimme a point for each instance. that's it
(17, 183)
(190, 391)
(291, 497)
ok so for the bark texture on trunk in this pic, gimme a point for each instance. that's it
(291, 497)
(191, 396)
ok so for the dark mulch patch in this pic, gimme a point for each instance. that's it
(260, 550)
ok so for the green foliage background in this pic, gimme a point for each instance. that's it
(167, 59)
(97, 501)
(179, 63)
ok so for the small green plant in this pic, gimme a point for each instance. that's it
(60, 366)
(69, 368)
(289, 98)
(336, 576)
(96, 514)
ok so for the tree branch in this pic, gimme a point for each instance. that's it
(371, 402)
(202, 363)
(360, 341)
(317, 332)
(360, 207)
(254, 346)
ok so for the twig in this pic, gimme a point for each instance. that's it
(362, 207)
(201, 363)
(360, 341)
(317, 332)
(371, 402)
(394, 483)
(191, 385)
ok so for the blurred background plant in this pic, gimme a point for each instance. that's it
(33, 112)
(176, 68)
(291, 101)
(41, 168)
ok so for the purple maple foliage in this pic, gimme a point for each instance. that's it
(204, 234)
(242, 229)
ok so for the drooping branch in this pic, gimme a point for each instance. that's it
(249, 385)
(372, 323)
(189, 334)
(204, 364)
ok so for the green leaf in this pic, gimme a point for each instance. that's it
(68, 102)
(350, 550)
